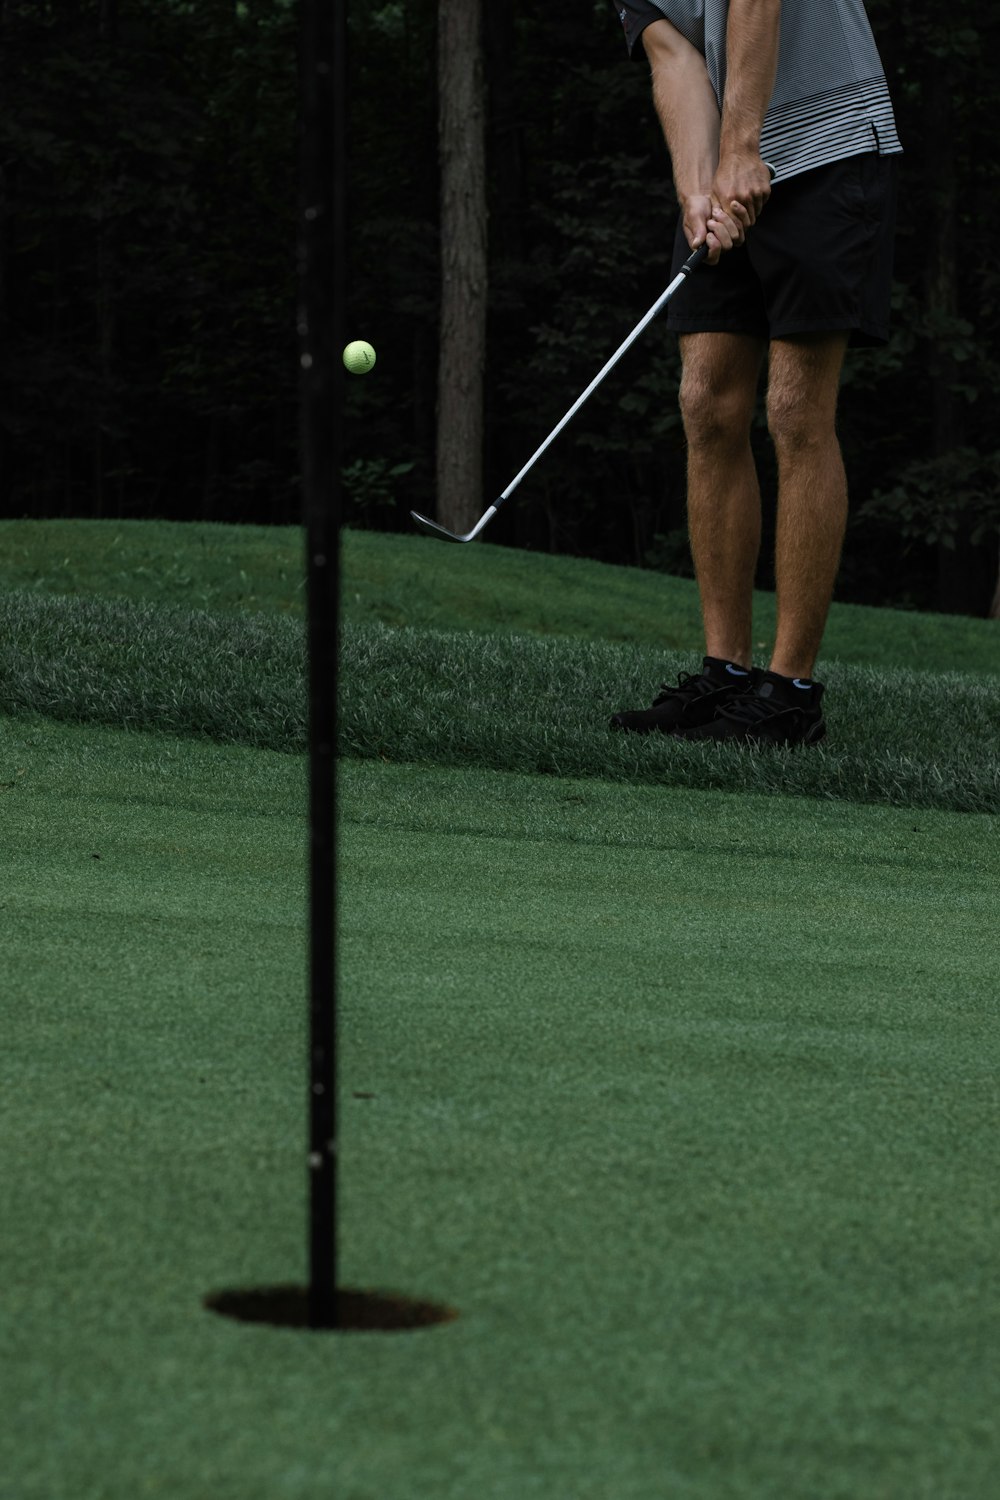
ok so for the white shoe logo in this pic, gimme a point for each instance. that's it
(798, 684)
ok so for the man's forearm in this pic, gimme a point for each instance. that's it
(686, 106)
(719, 198)
(752, 41)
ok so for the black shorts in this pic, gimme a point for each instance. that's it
(818, 259)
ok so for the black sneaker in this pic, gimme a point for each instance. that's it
(695, 701)
(775, 712)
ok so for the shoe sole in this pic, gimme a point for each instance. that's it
(813, 735)
(675, 731)
(672, 731)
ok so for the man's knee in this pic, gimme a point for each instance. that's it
(802, 391)
(719, 387)
(715, 412)
(797, 421)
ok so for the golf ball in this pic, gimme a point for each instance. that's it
(359, 357)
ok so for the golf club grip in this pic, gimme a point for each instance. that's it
(695, 259)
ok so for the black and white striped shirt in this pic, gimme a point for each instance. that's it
(830, 98)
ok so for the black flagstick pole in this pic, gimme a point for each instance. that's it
(321, 247)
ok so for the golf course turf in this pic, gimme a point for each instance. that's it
(683, 1097)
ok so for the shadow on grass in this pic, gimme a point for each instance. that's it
(356, 1311)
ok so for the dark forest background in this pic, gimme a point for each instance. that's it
(148, 348)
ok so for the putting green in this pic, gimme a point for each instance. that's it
(686, 1101)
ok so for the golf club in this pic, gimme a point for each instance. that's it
(433, 529)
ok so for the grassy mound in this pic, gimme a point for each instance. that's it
(416, 582)
(101, 630)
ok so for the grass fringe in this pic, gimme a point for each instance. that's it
(897, 737)
(236, 679)
(504, 702)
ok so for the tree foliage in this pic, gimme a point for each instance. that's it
(147, 363)
(147, 281)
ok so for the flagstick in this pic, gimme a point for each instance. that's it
(322, 238)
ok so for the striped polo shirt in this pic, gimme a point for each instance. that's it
(830, 98)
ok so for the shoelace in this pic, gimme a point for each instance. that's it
(753, 710)
(689, 685)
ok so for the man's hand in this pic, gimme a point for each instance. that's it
(722, 217)
(706, 221)
(742, 178)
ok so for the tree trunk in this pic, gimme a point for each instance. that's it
(462, 346)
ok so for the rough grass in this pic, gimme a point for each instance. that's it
(895, 737)
(505, 702)
(232, 678)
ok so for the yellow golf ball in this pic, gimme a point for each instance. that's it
(359, 357)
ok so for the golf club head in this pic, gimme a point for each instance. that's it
(443, 534)
(433, 529)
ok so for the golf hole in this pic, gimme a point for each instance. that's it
(357, 1311)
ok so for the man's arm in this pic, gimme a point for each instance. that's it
(752, 40)
(687, 109)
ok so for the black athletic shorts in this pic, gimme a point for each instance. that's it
(818, 259)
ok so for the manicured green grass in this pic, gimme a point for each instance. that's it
(422, 583)
(191, 566)
(685, 1101)
(414, 581)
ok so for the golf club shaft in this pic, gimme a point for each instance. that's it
(693, 261)
(434, 528)
(689, 265)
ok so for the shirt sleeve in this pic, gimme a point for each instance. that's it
(635, 16)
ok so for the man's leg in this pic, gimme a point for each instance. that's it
(803, 383)
(718, 391)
